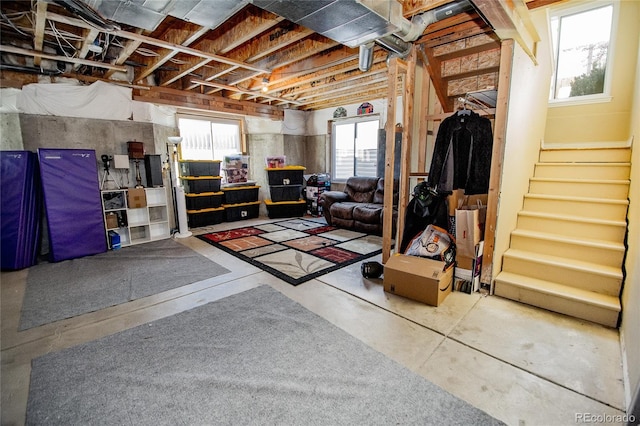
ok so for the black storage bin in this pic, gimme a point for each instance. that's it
(205, 217)
(284, 209)
(197, 185)
(241, 211)
(240, 194)
(290, 175)
(200, 168)
(204, 200)
(285, 192)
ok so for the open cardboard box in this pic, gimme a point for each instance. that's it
(418, 278)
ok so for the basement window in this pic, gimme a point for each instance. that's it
(209, 139)
(354, 144)
(582, 45)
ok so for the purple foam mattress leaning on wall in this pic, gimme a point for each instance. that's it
(72, 203)
(20, 209)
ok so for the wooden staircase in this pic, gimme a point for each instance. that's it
(567, 251)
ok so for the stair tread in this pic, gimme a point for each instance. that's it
(579, 199)
(586, 148)
(571, 240)
(572, 218)
(575, 264)
(560, 290)
(577, 180)
(581, 164)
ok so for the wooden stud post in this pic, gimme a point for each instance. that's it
(390, 128)
(407, 139)
(497, 158)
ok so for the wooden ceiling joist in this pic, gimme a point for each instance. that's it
(191, 100)
(238, 90)
(301, 66)
(36, 54)
(38, 31)
(154, 42)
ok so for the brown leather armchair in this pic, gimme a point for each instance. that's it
(360, 206)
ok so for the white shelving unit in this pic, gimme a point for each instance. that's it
(136, 225)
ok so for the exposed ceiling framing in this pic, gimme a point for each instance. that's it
(254, 61)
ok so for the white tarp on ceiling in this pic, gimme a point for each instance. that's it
(98, 100)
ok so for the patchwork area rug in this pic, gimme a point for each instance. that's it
(296, 250)
(253, 358)
(56, 291)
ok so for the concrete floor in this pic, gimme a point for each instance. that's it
(522, 365)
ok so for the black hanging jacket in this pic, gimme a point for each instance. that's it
(462, 154)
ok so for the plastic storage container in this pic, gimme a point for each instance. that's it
(204, 200)
(236, 175)
(205, 217)
(285, 208)
(289, 175)
(114, 240)
(237, 161)
(240, 194)
(285, 192)
(199, 167)
(241, 211)
(197, 185)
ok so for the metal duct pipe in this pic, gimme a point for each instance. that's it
(395, 44)
(419, 23)
(400, 41)
(365, 59)
(451, 9)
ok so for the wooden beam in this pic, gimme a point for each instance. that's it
(196, 101)
(423, 129)
(343, 82)
(89, 38)
(376, 93)
(328, 58)
(510, 19)
(413, 7)
(434, 68)
(314, 80)
(306, 48)
(26, 52)
(185, 36)
(238, 90)
(38, 29)
(129, 48)
(243, 28)
(390, 146)
(156, 42)
(407, 140)
(497, 159)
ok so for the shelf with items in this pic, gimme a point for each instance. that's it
(147, 221)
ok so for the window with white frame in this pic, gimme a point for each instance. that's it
(355, 147)
(582, 43)
(209, 138)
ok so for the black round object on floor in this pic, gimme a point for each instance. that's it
(371, 269)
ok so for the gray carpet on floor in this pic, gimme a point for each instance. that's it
(61, 290)
(256, 357)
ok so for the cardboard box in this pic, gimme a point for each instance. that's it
(112, 220)
(136, 198)
(418, 278)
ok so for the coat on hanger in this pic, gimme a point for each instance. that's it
(462, 154)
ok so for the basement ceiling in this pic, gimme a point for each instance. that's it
(232, 52)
